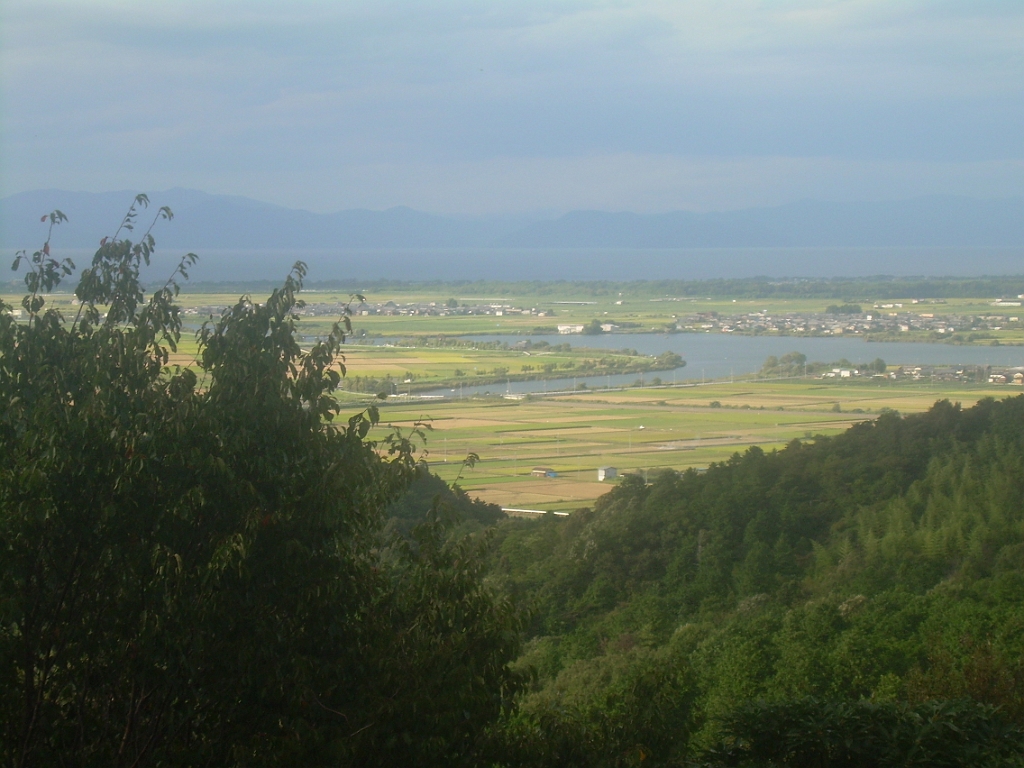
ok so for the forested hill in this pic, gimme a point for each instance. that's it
(884, 565)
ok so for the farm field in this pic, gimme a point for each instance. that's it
(634, 308)
(429, 366)
(393, 366)
(634, 312)
(638, 430)
(399, 369)
(633, 430)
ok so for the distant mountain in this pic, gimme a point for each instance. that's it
(926, 221)
(204, 221)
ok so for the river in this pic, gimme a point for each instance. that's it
(720, 355)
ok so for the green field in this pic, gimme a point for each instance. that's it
(638, 430)
(635, 307)
(633, 430)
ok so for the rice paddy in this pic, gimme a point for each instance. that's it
(637, 430)
(634, 430)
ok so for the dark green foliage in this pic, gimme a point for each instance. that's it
(795, 364)
(790, 364)
(669, 360)
(428, 492)
(193, 570)
(880, 565)
(814, 733)
(634, 709)
(843, 309)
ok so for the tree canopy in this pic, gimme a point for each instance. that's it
(194, 565)
(849, 600)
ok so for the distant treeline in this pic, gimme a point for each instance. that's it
(845, 289)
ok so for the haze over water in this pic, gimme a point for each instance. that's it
(581, 264)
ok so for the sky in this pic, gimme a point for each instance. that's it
(515, 108)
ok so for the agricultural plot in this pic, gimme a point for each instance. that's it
(633, 430)
(640, 430)
(632, 307)
(427, 365)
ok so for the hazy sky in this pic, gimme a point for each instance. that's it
(490, 107)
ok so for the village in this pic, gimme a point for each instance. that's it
(882, 319)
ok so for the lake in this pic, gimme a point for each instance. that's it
(619, 264)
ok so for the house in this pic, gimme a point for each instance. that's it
(570, 329)
(543, 472)
(606, 473)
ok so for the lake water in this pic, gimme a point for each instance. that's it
(720, 355)
(455, 264)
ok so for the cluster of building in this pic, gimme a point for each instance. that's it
(964, 373)
(204, 311)
(940, 372)
(880, 320)
(849, 373)
(432, 308)
(566, 328)
(892, 317)
(392, 309)
(1007, 376)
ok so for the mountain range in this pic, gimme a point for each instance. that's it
(206, 221)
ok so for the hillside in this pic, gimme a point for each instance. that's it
(883, 566)
(205, 221)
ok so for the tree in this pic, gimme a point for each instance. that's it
(814, 732)
(843, 309)
(193, 568)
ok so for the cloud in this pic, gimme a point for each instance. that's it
(359, 96)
